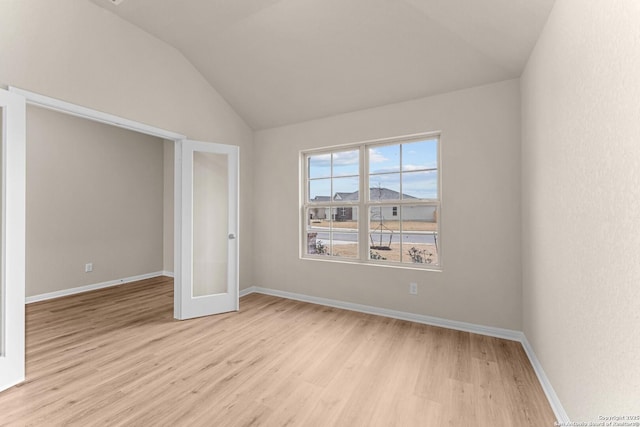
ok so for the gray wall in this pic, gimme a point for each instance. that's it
(167, 257)
(581, 205)
(94, 194)
(480, 220)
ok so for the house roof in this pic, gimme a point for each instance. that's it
(374, 194)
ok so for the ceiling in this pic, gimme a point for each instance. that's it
(279, 62)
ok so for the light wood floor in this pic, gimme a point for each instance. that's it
(117, 357)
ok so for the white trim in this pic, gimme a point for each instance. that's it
(12, 238)
(552, 397)
(177, 229)
(93, 287)
(395, 314)
(110, 119)
(491, 331)
(94, 115)
(167, 273)
(247, 291)
(380, 141)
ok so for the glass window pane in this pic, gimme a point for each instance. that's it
(210, 223)
(345, 218)
(420, 185)
(383, 218)
(420, 234)
(384, 158)
(346, 163)
(419, 249)
(344, 244)
(419, 218)
(319, 166)
(384, 246)
(318, 218)
(320, 190)
(384, 187)
(384, 234)
(344, 232)
(420, 155)
(346, 189)
(317, 243)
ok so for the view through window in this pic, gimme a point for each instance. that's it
(394, 221)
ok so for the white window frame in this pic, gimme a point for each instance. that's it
(364, 203)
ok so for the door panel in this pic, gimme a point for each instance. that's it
(209, 218)
(12, 237)
(210, 223)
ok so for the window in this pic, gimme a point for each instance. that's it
(395, 222)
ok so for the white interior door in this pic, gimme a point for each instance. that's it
(207, 208)
(12, 235)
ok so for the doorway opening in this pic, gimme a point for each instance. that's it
(187, 164)
(96, 204)
(174, 139)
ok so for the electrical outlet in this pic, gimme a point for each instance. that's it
(413, 288)
(88, 267)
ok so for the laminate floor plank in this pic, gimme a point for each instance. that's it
(116, 357)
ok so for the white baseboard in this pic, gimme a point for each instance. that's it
(86, 288)
(508, 334)
(167, 273)
(552, 397)
(247, 291)
(418, 318)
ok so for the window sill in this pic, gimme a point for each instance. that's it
(427, 267)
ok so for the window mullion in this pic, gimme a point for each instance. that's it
(400, 207)
(400, 221)
(305, 202)
(400, 172)
(363, 216)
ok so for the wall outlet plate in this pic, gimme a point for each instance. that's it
(413, 288)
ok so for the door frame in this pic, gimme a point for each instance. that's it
(54, 104)
(12, 224)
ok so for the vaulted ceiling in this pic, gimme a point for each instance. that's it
(279, 62)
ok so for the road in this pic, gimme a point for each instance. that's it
(346, 238)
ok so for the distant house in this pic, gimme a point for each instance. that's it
(319, 213)
(387, 213)
(374, 194)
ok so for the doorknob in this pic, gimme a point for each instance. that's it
(232, 236)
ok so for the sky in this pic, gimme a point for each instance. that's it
(386, 170)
